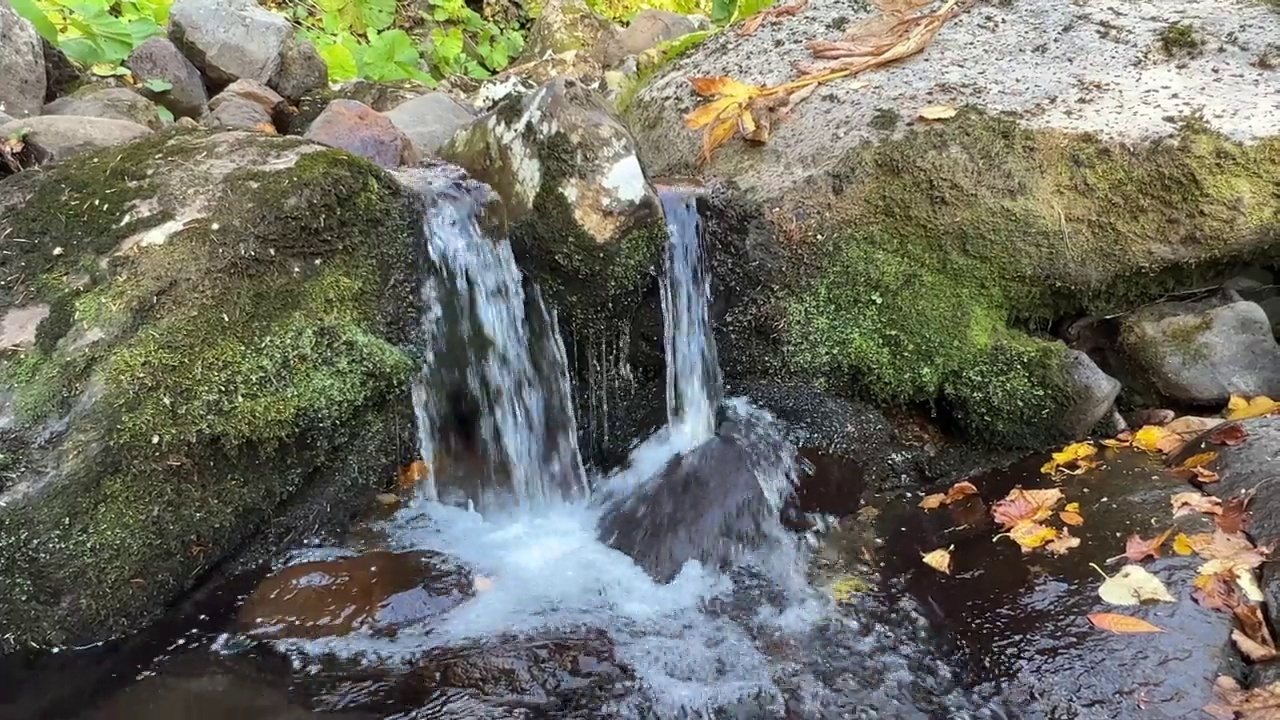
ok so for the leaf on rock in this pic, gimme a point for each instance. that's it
(956, 492)
(1185, 503)
(1199, 460)
(1216, 592)
(1122, 624)
(939, 559)
(1189, 426)
(881, 41)
(1025, 506)
(1238, 408)
(1240, 572)
(1235, 547)
(1184, 544)
(1254, 637)
(1261, 703)
(1071, 459)
(774, 13)
(1063, 543)
(1136, 549)
(1230, 435)
(1131, 585)
(938, 112)
(1030, 535)
(1234, 516)
(1150, 437)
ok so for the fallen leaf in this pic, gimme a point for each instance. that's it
(1072, 518)
(939, 559)
(1196, 467)
(1199, 460)
(1238, 408)
(1216, 592)
(938, 112)
(1229, 435)
(1254, 637)
(1259, 703)
(1025, 505)
(1240, 572)
(1235, 547)
(1063, 543)
(1136, 549)
(1122, 624)
(1234, 516)
(1185, 503)
(1149, 438)
(1189, 426)
(1184, 545)
(933, 501)
(1131, 585)
(1068, 458)
(774, 13)
(844, 589)
(873, 44)
(1205, 476)
(956, 492)
(1030, 535)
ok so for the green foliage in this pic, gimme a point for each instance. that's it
(724, 12)
(97, 34)
(624, 10)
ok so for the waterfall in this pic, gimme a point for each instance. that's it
(495, 385)
(693, 370)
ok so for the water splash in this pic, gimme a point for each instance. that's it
(496, 362)
(693, 370)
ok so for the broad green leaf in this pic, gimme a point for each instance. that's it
(109, 70)
(390, 56)
(722, 11)
(447, 44)
(37, 17)
(341, 62)
(82, 51)
(164, 113)
(157, 85)
(377, 14)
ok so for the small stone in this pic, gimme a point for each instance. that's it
(112, 103)
(1092, 392)
(19, 326)
(57, 137)
(387, 499)
(429, 120)
(229, 39)
(301, 71)
(159, 59)
(239, 114)
(277, 109)
(58, 251)
(360, 130)
(22, 73)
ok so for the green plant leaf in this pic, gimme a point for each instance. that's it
(447, 44)
(341, 62)
(82, 51)
(37, 17)
(722, 11)
(157, 85)
(164, 113)
(108, 70)
(390, 56)
(376, 14)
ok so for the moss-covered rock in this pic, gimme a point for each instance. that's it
(925, 261)
(230, 329)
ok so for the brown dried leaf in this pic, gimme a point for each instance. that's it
(933, 501)
(1063, 543)
(1234, 516)
(1136, 549)
(1122, 624)
(1233, 547)
(1190, 426)
(901, 40)
(774, 13)
(1254, 637)
(938, 112)
(1229, 435)
(1260, 703)
(1185, 503)
(1217, 591)
(1025, 506)
(1072, 518)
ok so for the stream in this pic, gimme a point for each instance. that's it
(493, 590)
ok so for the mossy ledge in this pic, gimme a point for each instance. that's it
(932, 263)
(254, 344)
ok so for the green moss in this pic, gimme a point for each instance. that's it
(885, 119)
(944, 246)
(1181, 40)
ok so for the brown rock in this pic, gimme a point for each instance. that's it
(361, 130)
(378, 591)
(269, 100)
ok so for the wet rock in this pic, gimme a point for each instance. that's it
(311, 384)
(710, 504)
(1250, 468)
(360, 130)
(22, 73)
(1201, 353)
(651, 28)
(901, 304)
(159, 59)
(269, 100)
(1018, 621)
(58, 137)
(429, 120)
(1092, 393)
(229, 39)
(110, 103)
(375, 592)
(583, 218)
(565, 25)
(19, 326)
(236, 113)
(61, 76)
(301, 71)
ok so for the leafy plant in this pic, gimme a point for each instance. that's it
(96, 34)
(725, 12)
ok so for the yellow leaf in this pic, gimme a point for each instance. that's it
(1122, 624)
(1031, 535)
(1132, 585)
(1064, 542)
(934, 501)
(939, 559)
(843, 589)
(938, 112)
(704, 115)
(1072, 507)
(1025, 506)
(1182, 544)
(722, 85)
(1115, 443)
(959, 491)
(1150, 437)
(1199, 460)
(1240, 409)
(716, 135)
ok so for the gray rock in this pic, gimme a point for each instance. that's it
(61, 76)
(301, 71)
(1250, 467)
(22, 76)
(5, 118)
(57, 137)
(565, 25)
(360, 130)
(1201, 353)
(275, 106)
(1092, 392)
(238, 113)
(229, 39)
(653, 27)
(430, 120)
(111, 103)
(19, 325)
(159, 59)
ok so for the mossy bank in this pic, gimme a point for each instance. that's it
(230, 326)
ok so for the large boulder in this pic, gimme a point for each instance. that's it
(159, 59)
(51, 138)
(565, 25)
(111, 103)
(916, 261)
(430, 120)
(22, 76)
(582, 216)
(230, 39)
(225, 355)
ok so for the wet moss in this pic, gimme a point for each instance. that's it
(885, 119)
(934, 248)
(1181, 40)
